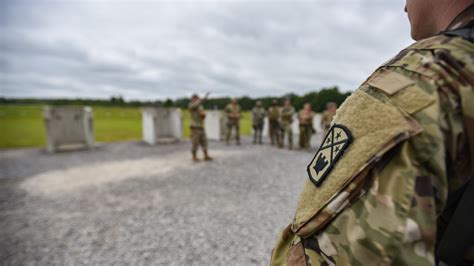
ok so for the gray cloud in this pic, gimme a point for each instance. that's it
(161, 49)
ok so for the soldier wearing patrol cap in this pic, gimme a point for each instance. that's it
(198, 133)
(392, 182)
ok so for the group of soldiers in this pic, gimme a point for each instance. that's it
(393, 181)
(280, 120)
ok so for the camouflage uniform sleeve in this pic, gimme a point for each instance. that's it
(193, 106)
(389, 212)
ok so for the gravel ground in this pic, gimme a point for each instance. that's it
(129, 203)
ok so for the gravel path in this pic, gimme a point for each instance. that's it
(129, 203)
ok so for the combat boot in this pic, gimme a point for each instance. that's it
(207, 157)
(195, 158)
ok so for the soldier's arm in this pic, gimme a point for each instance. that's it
(387, 213)
(194, 105)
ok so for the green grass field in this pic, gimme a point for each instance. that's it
(22, 125)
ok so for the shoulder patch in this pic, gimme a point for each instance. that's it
(374, 128)
(389, 81)
(332, 148)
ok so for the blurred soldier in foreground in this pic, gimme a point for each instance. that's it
(198, 134)
(287, 112)
(305, 118)
(233, 120)
(392, 182)
(274, 123)
(327, 116)
(258, 117)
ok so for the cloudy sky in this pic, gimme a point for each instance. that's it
(168, 49)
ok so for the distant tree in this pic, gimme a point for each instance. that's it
(318, 100)
(168, 103)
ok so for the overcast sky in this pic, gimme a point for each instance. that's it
(168, 49)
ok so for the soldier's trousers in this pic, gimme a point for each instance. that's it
(288, 131)
(198, 138)
(233, 125)
(305, 136)
(257, 133)
(274, 128)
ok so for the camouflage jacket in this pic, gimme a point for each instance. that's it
(258, 116)
(306, 120)
(233, 112)
(381, 198)
(273, 113)
(196, 111)
(287, 114)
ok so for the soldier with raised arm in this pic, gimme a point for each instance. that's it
(392, 182)
(198, 133)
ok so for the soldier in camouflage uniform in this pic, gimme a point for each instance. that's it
(233, 120)
(383, 187)
(327, 116)
(274, 123)
(198, 133)
(258, 117)
(287, 112)
(305, 118)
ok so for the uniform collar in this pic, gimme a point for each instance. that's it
(464, 18)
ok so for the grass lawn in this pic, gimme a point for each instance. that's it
(22, 125)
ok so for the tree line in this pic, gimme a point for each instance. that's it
(318, 100)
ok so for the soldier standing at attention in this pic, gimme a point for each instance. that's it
(233, 121)
(274, 123)
(258, 117)
(305, 118)
(393, 181)
(327, 116)
(287, 112)
(198, 133)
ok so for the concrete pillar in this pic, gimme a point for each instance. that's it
(68, 127)
(317, 122)
(161, 125)
(215, 125)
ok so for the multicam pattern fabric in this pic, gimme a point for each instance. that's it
(198, 138)
(233, 121)
(287, 114)
(286, 120)
(233, 113)
(196, 110)
(258, 116)
(391, 209)
(306, 129)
